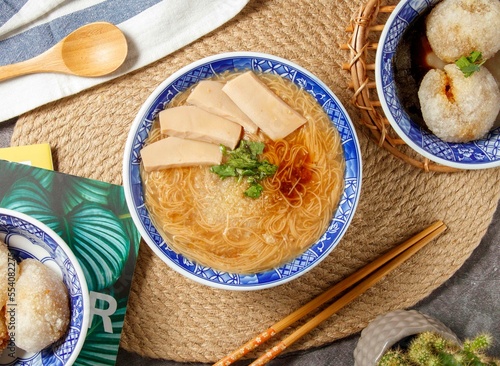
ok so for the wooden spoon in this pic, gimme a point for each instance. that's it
(95, 49)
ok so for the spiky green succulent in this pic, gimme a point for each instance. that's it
(431, 349)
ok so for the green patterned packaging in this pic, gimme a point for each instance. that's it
(93, 219)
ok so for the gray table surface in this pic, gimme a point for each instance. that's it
(468, 303)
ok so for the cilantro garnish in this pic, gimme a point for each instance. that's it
(470, 64)
(244, 162)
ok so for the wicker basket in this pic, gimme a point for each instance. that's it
(365, 29)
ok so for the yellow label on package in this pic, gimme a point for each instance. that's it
(38, 155)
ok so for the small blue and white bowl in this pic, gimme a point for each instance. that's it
(27, 237)
(187, 77)
(478, 154)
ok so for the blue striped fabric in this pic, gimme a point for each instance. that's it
(153, 29)
(8, 8)
(35, 40)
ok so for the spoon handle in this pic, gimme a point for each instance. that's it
(13, 70)
(41, 63)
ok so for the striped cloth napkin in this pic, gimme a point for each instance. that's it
(153, 28)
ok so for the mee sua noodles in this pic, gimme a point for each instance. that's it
(209, 220)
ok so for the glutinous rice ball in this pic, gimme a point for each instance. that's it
(42, 313)
(458, 108)
(455, 28)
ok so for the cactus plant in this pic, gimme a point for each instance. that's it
(431, 349)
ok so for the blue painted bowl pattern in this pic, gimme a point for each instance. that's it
(474, 154)
(352, 179)
(58, 353)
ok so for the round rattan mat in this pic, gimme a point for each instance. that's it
(174, 318)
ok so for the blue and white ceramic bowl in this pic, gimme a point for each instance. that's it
(185, 78)
(27, 237)
(478, 154)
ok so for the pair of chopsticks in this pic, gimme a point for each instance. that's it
(362, 280)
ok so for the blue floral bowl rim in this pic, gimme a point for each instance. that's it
(77, 268)
(417, 145)
(150, 103)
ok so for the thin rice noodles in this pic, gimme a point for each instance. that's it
(210, 221)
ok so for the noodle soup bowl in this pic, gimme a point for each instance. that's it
(186, 78)
(407, 122)
(26, 237)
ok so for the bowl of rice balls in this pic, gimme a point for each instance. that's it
(43, 293)
(242, 171)
(438, 76)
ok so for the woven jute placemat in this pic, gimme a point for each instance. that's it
(175, 318)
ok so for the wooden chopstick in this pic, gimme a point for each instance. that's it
(403, 250)
(352, 294)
